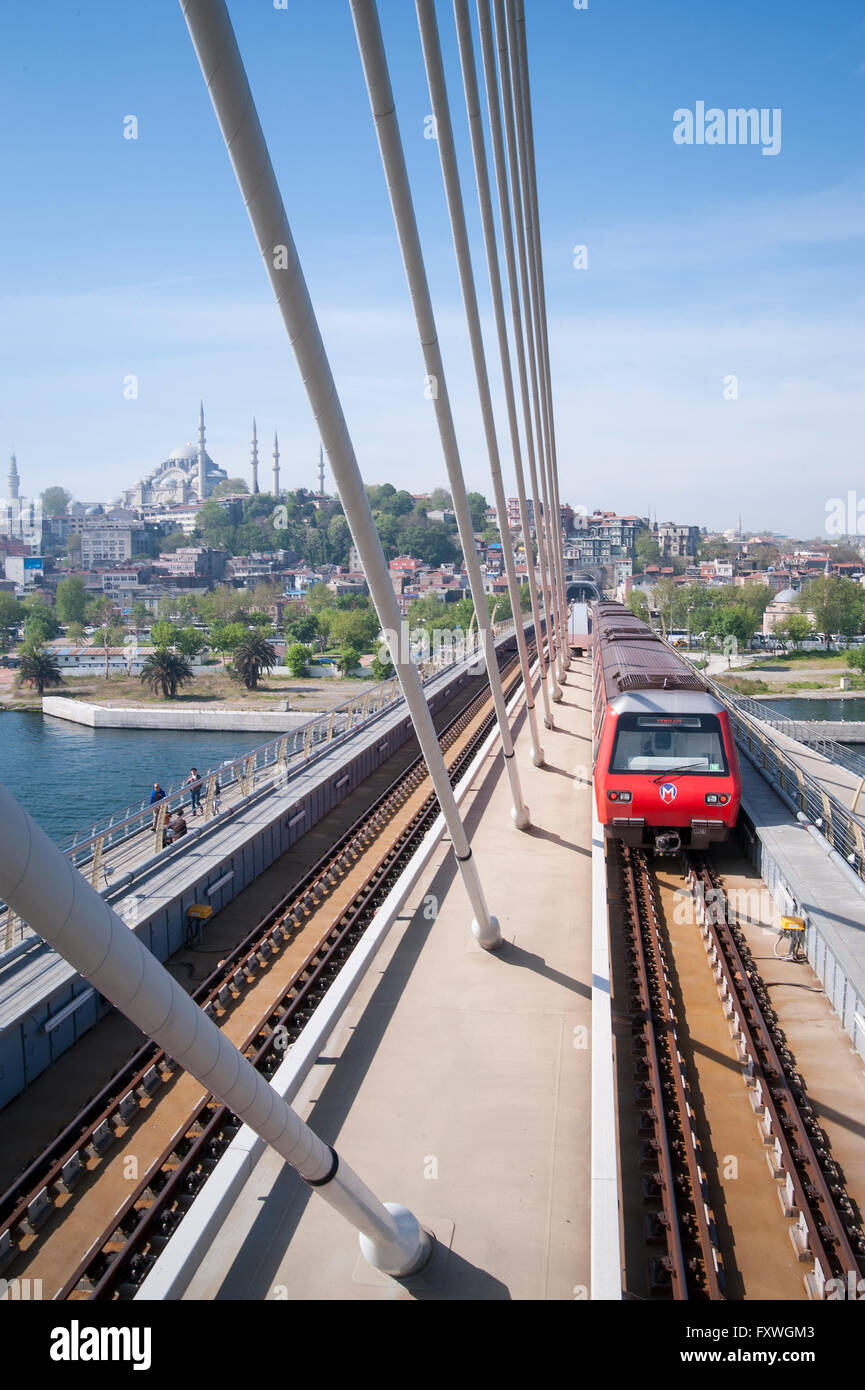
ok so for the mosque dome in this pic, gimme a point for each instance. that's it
(187, 454)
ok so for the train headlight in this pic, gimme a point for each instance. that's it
(619, 796)
(716, 798)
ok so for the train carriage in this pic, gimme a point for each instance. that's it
(666, 770)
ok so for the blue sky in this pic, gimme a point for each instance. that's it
(136, 257)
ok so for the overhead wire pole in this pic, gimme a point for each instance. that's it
(450, 171)
(543, 331)
(227, 84)
(552, 524)
(526, 354)
(491, 84)
(374, 61)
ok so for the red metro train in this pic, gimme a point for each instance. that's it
(665, 764)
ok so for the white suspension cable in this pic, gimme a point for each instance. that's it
(228, 87)
(447, 153)
(374, 60)
(541, 499)
(491, 84)
(536, 260)
(552, 526)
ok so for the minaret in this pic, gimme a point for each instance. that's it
(254, 457)
(14, 480)
(320, 471)
(275, 466)
(202, 469)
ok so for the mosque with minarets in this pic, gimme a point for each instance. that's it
(189, 475)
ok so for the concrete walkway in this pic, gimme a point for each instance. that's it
(838, 781)
(457, 1082)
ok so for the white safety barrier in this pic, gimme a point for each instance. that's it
(606, 1259)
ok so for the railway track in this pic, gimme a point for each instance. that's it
(680, 1224)
(91, 1213)
(812, 1206)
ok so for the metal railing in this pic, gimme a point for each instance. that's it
(111, 852)
(799, 729)
(803, 793)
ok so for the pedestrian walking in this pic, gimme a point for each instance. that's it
(156, 796)
(193, 782)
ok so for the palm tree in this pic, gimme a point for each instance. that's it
(252, 656)
(39, 667)
(166, 670)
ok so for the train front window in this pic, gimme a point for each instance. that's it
(683, 743)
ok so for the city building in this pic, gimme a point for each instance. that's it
(106, 545)
(188, 474)
(24, 571)
(194, 562)
(782, 606)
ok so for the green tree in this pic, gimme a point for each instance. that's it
(174, 541)
(399, 504)
(358, 628)
(339, 540)
(75, 632)
(39, 667)
(440, 499)
(665, 597)
(297, 659)
(111, 635)
(189, 642)
(140, 615)
(304, 628)
(646, 549)
(431, 543)
(832, 603)
(11, 614)
(226, 637)
(318, 597)
(40, 625)
(163, 634)
(735, 620)
(638, 604)
(55, 500)
(794, 629)
(755, 596)
(166, 671)
(252, 656)
(851, 620)
(478, 509)
(381, 670)
(229, 486)
(856, 658)
(348, 659)
(71, 600)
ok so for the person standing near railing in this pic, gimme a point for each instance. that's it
(193, 782)
(156, 796)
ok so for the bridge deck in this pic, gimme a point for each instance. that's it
(455, 1082)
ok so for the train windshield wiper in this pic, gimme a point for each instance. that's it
(674, 772)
